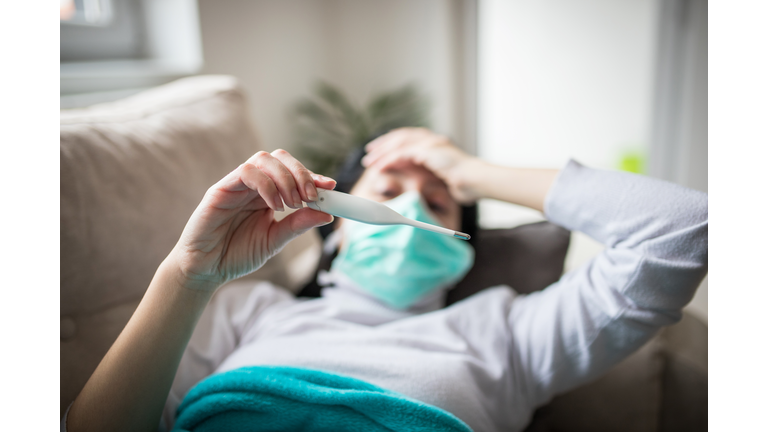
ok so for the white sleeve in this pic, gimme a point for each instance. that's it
(655, 235)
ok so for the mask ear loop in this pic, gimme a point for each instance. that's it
(329, 251)
(332, 242)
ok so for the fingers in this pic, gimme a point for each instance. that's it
(304, 183)
(400, 145)
(282, 177)
(323, 182)
(277, 178)
(256, 180)
(386, 144)
(395, 159)
(397, 137)
(296, 224)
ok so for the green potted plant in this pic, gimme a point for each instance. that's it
(328, 126)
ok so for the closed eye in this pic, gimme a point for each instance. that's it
(437, 208)
(389, 193)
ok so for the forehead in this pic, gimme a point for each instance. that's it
(406, 174)
(381, 184)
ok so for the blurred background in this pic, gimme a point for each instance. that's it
(612, 84)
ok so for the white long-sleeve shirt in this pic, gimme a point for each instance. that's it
(496, 356)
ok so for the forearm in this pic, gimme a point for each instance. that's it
(523, 186)
(232, 232)
(129, 387)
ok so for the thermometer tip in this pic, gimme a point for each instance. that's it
(461, 235)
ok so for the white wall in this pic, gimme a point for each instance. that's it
(562, 79)
(279, 48)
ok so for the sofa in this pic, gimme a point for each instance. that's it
(132, 172)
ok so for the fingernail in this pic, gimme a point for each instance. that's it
(326, 223)
(311, 192)
(296, 198)
(322, 178)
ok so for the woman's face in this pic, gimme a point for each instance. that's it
(383, 185)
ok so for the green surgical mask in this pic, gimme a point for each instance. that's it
(400, 264)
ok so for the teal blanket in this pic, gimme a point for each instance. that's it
(274, 398)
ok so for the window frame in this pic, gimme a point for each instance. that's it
(172, 49)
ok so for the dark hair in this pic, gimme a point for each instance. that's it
(351, 171)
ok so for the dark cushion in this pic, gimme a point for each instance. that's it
(527, 258)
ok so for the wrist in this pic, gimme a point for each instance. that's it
(468, 178)
(172, 270)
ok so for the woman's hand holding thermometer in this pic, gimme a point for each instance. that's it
(370, 212)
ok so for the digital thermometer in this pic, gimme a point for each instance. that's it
(370, 212)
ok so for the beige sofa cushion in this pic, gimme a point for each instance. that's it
(132, 172)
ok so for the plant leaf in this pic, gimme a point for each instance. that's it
(328, 126)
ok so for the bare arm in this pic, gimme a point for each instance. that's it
(523, 186)
(232, 232)
(128, 389)
(468, 178)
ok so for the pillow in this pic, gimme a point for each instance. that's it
(527, 258)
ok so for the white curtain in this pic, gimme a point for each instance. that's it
(678, 151)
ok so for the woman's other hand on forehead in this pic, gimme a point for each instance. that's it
(425, 148)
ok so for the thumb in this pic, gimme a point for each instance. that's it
(295, 224)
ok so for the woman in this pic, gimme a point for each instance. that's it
(488, 360)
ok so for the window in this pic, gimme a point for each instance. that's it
(86, 12)
(115, 45)
(93, 30)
